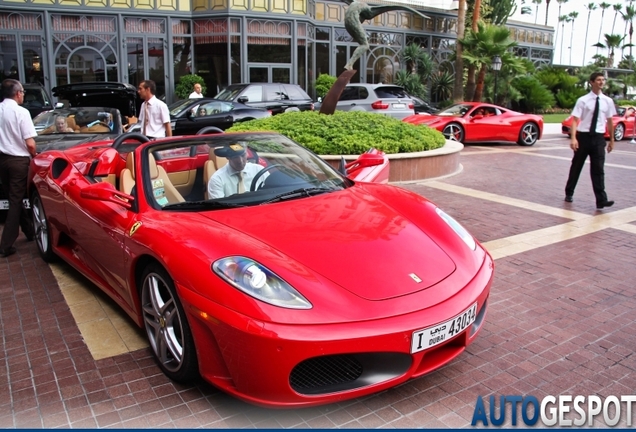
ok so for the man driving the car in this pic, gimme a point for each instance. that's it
(234, 177)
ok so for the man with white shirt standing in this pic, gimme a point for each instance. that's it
(591, 116)
(17, 146)
(154, 116)
(196, 94)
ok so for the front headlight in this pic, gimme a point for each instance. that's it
(460, 230)
(259, 282)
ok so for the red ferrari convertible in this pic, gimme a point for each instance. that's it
(474, 122)
(309, 287)
(623, 123)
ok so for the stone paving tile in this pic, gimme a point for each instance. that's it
(560, 321)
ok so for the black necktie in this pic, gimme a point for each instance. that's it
(595, 116)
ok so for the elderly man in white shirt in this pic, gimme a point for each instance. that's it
(236, 176)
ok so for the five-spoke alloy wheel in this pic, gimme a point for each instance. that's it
(41, 229)
(454, 132)
(529, 134)
(167, 326)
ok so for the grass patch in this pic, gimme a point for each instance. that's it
(554, 118)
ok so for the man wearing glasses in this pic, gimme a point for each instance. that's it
(17, 146)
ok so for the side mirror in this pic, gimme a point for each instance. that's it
(103, 191)
(59, 105)
(477, 117)
(243, 99)
(365, 160)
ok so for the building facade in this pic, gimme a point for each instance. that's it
(56, 42)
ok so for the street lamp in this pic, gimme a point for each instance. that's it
(496, 66)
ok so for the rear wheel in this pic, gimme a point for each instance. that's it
(619, 132)
(167, 326)
(529, 134)
(41, 228)
(454, 132)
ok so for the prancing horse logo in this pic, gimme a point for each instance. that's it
(134, 228)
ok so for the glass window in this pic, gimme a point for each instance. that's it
(274, 92)
(253, 93)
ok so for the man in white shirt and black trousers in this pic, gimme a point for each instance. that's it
(591, 115)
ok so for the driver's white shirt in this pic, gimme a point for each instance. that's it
(224, 182)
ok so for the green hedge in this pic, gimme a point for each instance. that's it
(348, 133)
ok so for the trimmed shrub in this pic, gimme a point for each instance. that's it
(323, 84)
(348, 133)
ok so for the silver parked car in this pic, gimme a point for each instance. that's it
(384, 99)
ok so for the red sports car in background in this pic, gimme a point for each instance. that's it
(473, 122)
(311, 287)
(623, 123)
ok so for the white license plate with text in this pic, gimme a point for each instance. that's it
(437, 334)
(399, 106)
(4, 204)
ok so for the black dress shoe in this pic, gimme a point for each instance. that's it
(568, 198)
(604, 204)
(8, 251)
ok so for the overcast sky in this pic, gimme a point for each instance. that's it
(577, 36)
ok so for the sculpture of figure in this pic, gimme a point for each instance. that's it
(356, 14)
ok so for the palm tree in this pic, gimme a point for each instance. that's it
(482, 46)
(562, 19)
(617, 8)
(470, 75)
(536, 9)
(412, 55)
(573, 15)
(547, 6)
(556, 36)
(612, 41)
(603, 6)
(458, 87)
(590, 7)
(628, 16)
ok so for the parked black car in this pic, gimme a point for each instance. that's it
(36, 99)
(191, 115)
(421, 106)
(122, 96)
(277, 97)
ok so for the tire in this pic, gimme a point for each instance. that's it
(454, 132)
(619, 132)
(167, 326)
(529, 134)
(42, 229)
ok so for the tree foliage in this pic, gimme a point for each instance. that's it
(535, 96)
(323, 83)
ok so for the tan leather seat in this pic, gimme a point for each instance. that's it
(162, 188)
(213, 164)
(126, 177)
(70, 122)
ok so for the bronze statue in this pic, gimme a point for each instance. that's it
(356, 14)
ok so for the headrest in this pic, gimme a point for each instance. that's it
(230, 151)
(152, 167)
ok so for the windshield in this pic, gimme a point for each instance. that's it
(91, 120)
(272, 168)
(455, 110)
(229, 93)
(179, 106)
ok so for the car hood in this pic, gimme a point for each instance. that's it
(64, 141)
(346, 237)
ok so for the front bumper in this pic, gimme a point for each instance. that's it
(284, 365)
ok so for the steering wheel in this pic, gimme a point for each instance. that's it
(260, 174)
(209, 129)
(140, 138)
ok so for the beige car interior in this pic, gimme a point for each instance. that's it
(163, 190)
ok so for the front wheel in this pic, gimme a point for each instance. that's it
(167, 326)
(529, 134)
(619, 132)
(41, 229)
(454, 132)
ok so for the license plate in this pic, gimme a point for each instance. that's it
(437, 334)
(399, 106)
(4, 204)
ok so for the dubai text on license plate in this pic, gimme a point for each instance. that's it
(435, 335)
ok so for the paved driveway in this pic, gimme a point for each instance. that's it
(561, 318)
